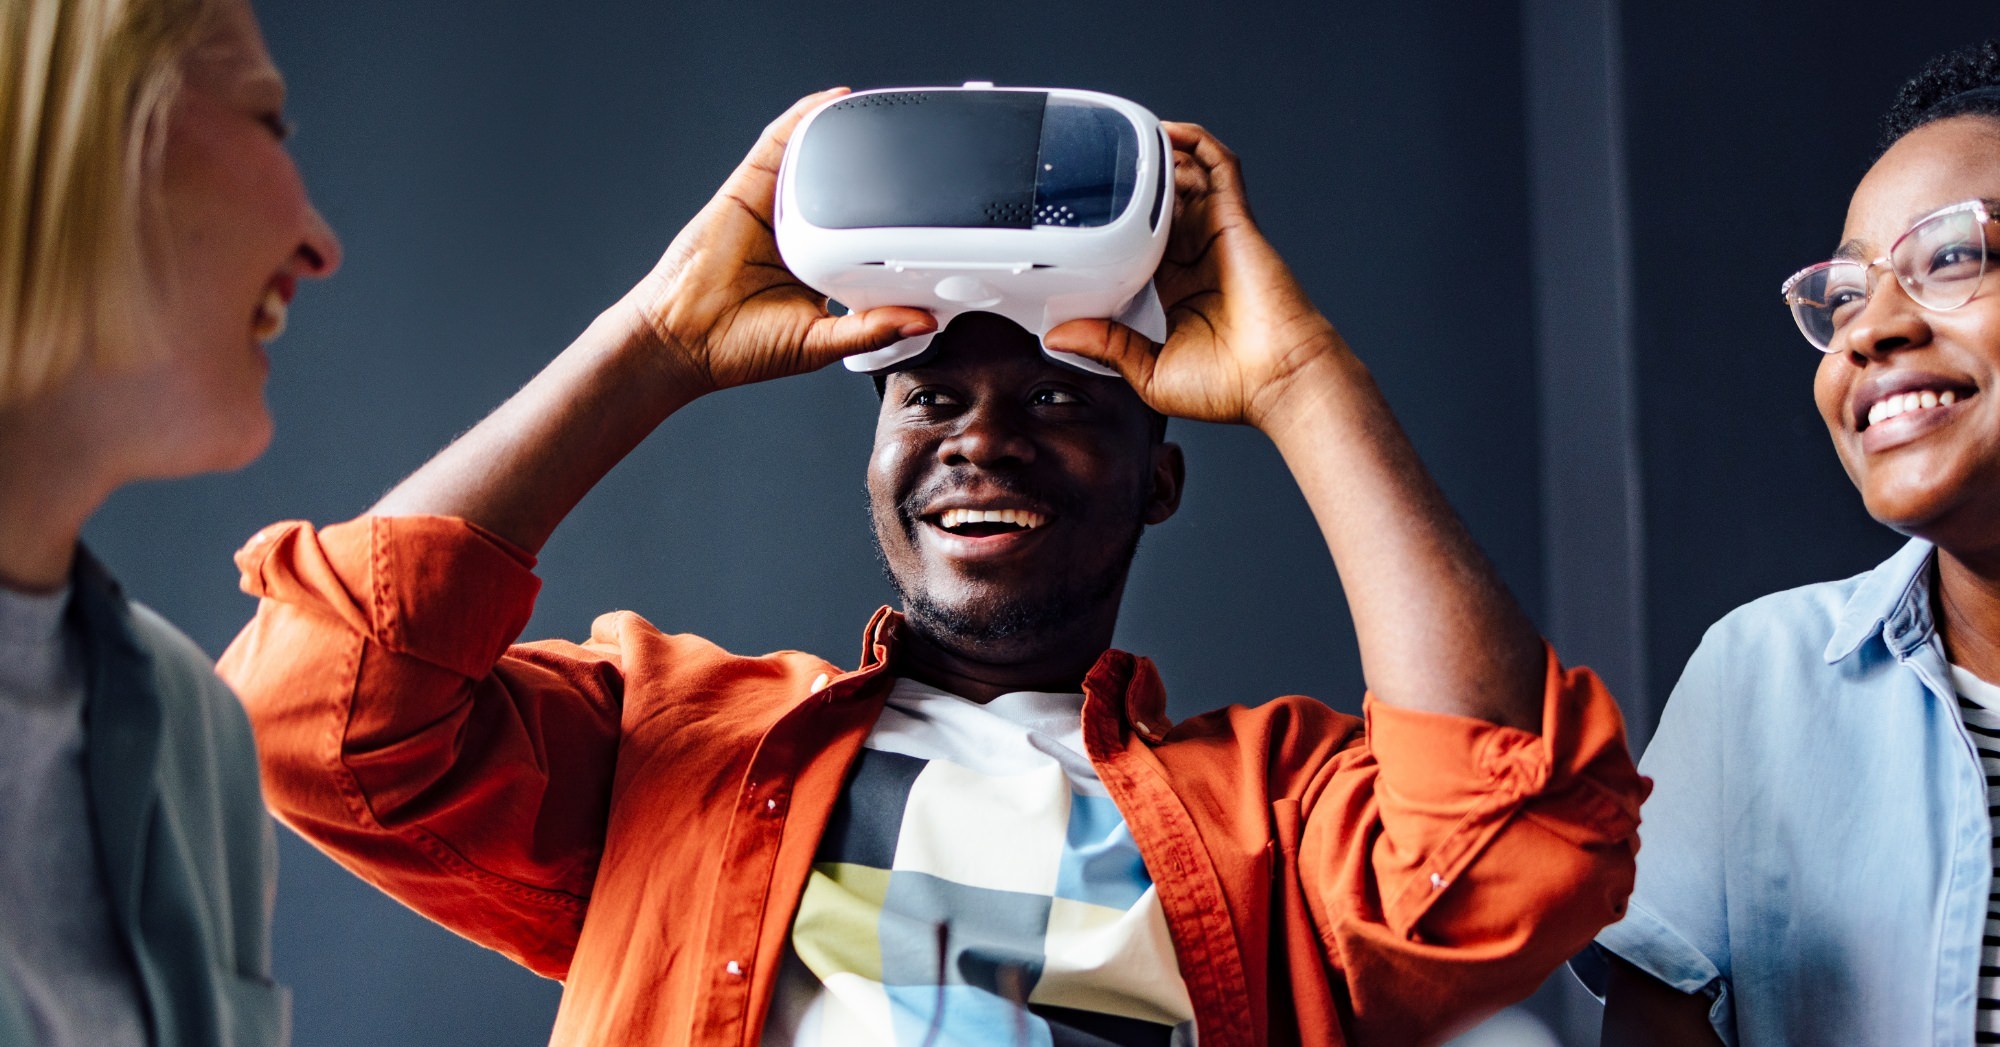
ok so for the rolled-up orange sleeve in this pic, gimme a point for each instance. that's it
(1455, 859)
(401, 732)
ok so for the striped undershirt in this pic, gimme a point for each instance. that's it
(1979, 706)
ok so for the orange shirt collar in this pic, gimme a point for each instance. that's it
(1116, 675)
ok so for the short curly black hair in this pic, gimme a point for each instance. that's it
(1939, 91)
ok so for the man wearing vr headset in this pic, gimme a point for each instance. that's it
(989, 831)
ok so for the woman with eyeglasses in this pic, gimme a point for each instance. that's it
(1819, 849)
(152, 232)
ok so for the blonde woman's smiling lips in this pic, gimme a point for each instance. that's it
(268, 321)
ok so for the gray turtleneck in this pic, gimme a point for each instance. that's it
(57, 942)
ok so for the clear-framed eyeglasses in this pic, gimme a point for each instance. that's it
(1940, 263)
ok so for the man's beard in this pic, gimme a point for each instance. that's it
(1016, 619)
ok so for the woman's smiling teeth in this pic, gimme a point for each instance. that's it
(980, 522)
(270, 320)
(1903, 403)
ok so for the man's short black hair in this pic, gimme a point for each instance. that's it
(1158, 426)
(1939, 91)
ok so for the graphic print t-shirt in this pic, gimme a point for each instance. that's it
(977, 887)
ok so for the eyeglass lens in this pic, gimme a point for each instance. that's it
(1939, 262)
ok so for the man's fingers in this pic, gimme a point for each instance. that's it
(1206, 175)
(1181, 134)
(1190, 178)
(1208, 182)
(1196, 139)
(755, 180)
(833, 337)
(771, 146)
(1110, 343)
(1220, 166)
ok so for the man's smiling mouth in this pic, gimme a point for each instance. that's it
(986, 523)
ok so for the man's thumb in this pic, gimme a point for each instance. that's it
(834, 337)
(1107, 342)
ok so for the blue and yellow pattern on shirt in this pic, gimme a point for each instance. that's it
(993, 905)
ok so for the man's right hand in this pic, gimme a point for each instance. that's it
(719, 310)
(722, 301)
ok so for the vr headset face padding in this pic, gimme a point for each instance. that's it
(1040, 205)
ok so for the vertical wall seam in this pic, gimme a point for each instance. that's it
(1592, 490)
(1644, 706)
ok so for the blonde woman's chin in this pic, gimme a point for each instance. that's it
(162, 423)
(214, 444)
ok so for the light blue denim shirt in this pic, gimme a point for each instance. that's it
(1816, 854)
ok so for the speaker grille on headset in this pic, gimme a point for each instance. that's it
(874, 101)
(1010, 214)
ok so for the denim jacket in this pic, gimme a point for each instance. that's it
(190, 858)
(1816, 853)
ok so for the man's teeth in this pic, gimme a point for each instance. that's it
(270, 322)
(952, 519)
(1890, 407)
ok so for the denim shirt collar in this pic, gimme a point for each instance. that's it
(123, 717)
(98, 601)
(1894, 600)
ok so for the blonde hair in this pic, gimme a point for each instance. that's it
(85, 89)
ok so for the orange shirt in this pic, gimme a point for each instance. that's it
(637, 814)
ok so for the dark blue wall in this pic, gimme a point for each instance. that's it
(500, 170)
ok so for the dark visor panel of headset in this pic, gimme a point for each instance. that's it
(966, 160)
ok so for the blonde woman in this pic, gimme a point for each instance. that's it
(152, 232)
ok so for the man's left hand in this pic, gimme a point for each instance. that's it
(1242, 335)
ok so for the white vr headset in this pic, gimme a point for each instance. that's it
(1040, 205)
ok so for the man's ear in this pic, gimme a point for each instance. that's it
(1169, 478)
